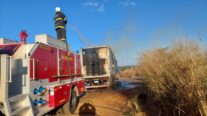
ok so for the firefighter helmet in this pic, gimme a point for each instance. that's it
(57, 9)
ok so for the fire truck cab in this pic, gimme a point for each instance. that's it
(39, 77)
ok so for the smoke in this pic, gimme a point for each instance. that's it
(124, 42)
(121, 41)
(124, 38)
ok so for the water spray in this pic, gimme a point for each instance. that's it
(80, 35)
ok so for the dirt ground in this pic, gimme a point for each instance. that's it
(102, 103)
(109, 102)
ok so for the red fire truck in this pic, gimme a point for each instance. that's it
(38, 77)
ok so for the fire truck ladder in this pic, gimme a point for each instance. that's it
(11, 106)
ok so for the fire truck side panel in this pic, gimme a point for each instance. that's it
(78, 65)
(45, 67)
(64, 65)
(44, 72)
(72, 68)
(58, 95)
(65, 70)
(53, 64)
(44, 62)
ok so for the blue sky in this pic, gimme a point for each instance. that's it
(128, 26)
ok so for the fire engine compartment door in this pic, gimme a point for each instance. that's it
(58, 95)
(42, 69)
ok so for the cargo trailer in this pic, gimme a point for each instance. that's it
(99, 66)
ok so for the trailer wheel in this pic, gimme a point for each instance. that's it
(71, 105)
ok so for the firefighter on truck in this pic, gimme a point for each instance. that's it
(60, 24)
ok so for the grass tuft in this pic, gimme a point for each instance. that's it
(177, 78)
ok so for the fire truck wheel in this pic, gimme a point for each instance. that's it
(73, 102)
(70, 107)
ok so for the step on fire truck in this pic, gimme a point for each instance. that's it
(38, 77)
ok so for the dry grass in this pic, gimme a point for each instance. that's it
(129, 73)
(177, 78)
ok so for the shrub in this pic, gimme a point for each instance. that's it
(177, 78)
(129, 73)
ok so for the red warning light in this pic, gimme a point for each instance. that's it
(23, 35)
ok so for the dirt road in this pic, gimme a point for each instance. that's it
(102, 103)
(109, 102)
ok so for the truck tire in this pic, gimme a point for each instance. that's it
(71, 105)
(112, 81)
(73, 102)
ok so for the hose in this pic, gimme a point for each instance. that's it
(69, 68)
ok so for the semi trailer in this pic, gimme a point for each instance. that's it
(99, 66)
(38, 77)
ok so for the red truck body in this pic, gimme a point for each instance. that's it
(45, 73)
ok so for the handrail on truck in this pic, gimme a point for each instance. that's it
(33, 68)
